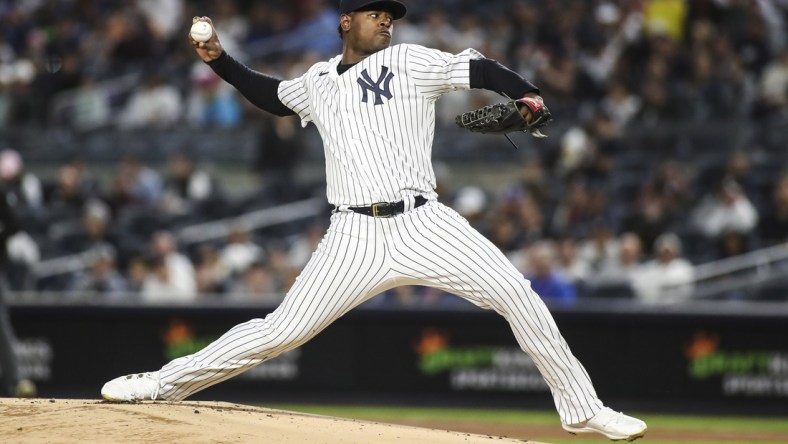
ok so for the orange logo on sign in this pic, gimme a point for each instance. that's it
(702, 345)
(432, 340)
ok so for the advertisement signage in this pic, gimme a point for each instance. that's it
(641, 359)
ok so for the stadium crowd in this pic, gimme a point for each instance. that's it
(671, 119)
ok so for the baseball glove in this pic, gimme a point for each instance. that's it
(503, 118)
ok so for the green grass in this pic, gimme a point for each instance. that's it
(671, 423)
(692, 422)
(425, 414)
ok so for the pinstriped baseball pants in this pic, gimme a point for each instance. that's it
(361, 256)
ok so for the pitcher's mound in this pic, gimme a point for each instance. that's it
(78, 421)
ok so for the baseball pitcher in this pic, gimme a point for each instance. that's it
(374, 106)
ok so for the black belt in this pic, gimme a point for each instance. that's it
(387, 209)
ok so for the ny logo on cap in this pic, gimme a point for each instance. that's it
(367, 85)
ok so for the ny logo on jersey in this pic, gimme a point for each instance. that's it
(367, 85)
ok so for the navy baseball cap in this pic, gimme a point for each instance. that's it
(397, 9)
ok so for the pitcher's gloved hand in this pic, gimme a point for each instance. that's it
(528, 114)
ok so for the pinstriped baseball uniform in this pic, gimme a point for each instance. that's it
(377, 121)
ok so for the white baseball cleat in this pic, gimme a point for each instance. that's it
(132, 388)
(614, 425)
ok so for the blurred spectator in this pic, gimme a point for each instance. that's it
(577, 148)
(732, 243)
(533, 182)
(672, 181)
(63, 73)
(267, 20)
(546, 281)
(758, 32)
(471, 203)
(23, 254)
(727, 209)
(438, 29)
(604, 48)
(101, 278)
(171, 274)
(256, 285)
(569, 262)
(160, 286)
(302, 248)
(90, 108)
(578, 209)
(650, 217)
(604, 143)
(93, 230)
(315, 32)
(278, 153)
(239, 253)
(277, 260)
(621, 105)
(156, 104)
(657, 91)
(626, 261)
(136, 272)
(261, 18)
(24, 186)
(207, 271)
(558, 77)
(163, 16)
(774, 84)
(22, 191)
(135, 185)
(518, 216)
(599, 249)
(185, 186)
(212, 102)
(715, 87)
(530, 220)
(65, 196)
(668, 277)
(505, 234)
(234, 26)
(739, 169)
(127, 38)
(773, 226)
(470, 33)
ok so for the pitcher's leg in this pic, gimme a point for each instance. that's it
(348, 267)
(440, 248)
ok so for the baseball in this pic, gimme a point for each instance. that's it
(201, 32)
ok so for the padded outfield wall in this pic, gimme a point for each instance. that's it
(704, 357)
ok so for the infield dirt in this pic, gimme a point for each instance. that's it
(80, 421)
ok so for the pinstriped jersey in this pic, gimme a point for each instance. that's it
(377, 119)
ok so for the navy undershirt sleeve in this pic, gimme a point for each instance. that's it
(260, 89)
(491, 75)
